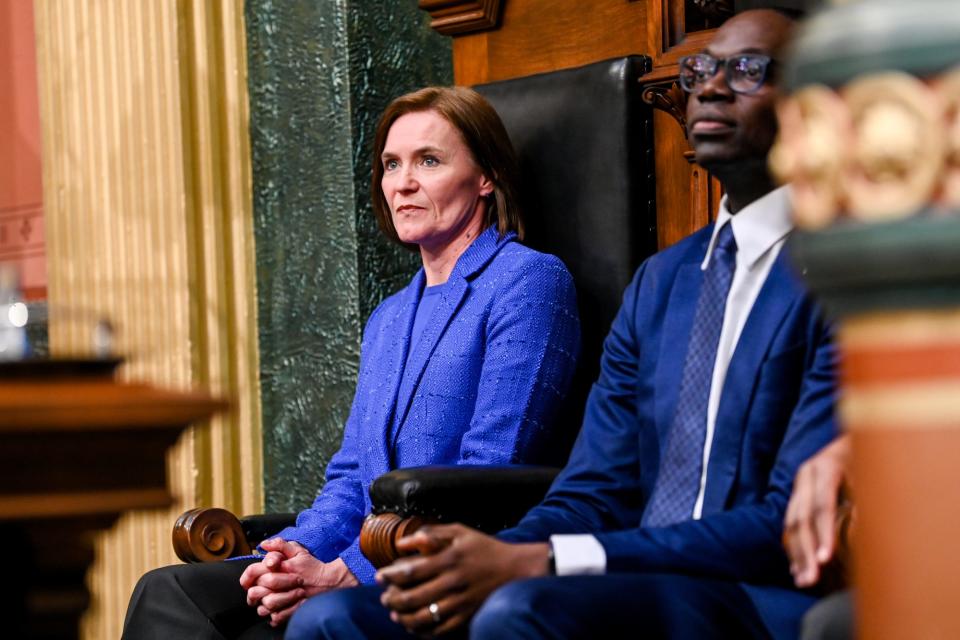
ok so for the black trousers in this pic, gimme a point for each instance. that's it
(194, 602)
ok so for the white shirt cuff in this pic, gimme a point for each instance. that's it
(578, 554)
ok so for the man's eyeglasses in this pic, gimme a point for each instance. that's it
(745, 73)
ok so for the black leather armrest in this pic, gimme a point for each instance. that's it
(487, 498)
(259, 527)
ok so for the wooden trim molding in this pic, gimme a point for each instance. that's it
(457, 17)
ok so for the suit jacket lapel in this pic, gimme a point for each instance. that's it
(677, 326)
(777, 295)
(450, 299)
(402, 327)
(473, 260)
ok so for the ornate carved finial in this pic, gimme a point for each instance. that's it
(451, 17)
(669, 97)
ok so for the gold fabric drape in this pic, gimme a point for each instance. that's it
(146, 170)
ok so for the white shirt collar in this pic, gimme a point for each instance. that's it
(757, 227)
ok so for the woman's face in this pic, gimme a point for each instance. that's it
(431, 182)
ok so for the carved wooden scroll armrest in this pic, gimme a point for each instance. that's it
(209, 535)
(379, 535)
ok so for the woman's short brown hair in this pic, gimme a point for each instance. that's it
(485, 136)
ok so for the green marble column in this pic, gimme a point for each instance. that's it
(320, 72)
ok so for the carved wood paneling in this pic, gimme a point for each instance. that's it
(687, 195)
(451, 17)
(536, 36)
(669, 98)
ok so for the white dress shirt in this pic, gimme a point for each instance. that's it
(760, 230)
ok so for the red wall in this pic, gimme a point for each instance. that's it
(21, 193)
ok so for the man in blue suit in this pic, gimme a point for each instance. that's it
(717, 382)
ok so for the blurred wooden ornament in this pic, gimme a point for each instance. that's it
(811, 153)
(949, 89)
(897, 157)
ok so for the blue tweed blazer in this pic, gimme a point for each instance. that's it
(482, 386)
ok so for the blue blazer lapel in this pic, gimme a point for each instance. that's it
(392, 370)
(453, 294)
(468, 265)
(777, 295)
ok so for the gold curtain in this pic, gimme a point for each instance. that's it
(146, 170)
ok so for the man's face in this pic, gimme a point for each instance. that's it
(728, 128)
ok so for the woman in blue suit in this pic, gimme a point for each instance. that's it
(467, 364)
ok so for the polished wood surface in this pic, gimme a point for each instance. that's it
(76, 454)
(687, 196)
(462, 16)
(380, 533)
(101, 405)
(544, 35)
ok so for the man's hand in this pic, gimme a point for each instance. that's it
(459, 567)
(811, 522)
(287, 576)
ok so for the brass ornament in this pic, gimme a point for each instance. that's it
(949, 89)
(811, 153)
(897, 156)
(885, 148)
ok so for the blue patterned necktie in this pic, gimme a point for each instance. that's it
(678, 480)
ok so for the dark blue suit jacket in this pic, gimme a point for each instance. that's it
(776, 409)
(481, 385)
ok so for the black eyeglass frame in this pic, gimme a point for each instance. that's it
(729, 65)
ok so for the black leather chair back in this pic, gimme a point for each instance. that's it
(584, 140)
